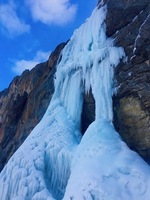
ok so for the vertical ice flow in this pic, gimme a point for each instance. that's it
(90, 56)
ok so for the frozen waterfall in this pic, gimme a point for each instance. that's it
(55, 162)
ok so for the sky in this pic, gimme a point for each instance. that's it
(31, 29)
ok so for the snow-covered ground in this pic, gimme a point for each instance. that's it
(55, 162)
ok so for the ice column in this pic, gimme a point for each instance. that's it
(88, 61)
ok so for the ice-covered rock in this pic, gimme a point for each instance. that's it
(54, 162)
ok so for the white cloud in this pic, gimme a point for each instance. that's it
(9, 20)
(21, 65)
(57, 12)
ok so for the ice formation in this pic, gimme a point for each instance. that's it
(55, 162)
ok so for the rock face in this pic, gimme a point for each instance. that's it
(24, 103)
(128, 22)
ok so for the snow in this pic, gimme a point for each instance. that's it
(130, 74)
(55, 162)
(104, 168)
(37, 169)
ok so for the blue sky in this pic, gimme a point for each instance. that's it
(31, 29)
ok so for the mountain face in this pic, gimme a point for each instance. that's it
(24, 103)
(74, 151)
(57, 162)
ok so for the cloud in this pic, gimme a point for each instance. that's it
(21, 65)
(57, 12)
(9, 20)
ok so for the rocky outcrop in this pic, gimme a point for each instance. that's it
(128, 22)
(24, 103)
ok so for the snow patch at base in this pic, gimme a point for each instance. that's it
(104, 168)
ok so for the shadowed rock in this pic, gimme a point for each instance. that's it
(24, 103)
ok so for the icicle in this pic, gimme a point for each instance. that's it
(90, 53)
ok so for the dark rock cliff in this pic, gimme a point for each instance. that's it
(24, 103)
(128, 22)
